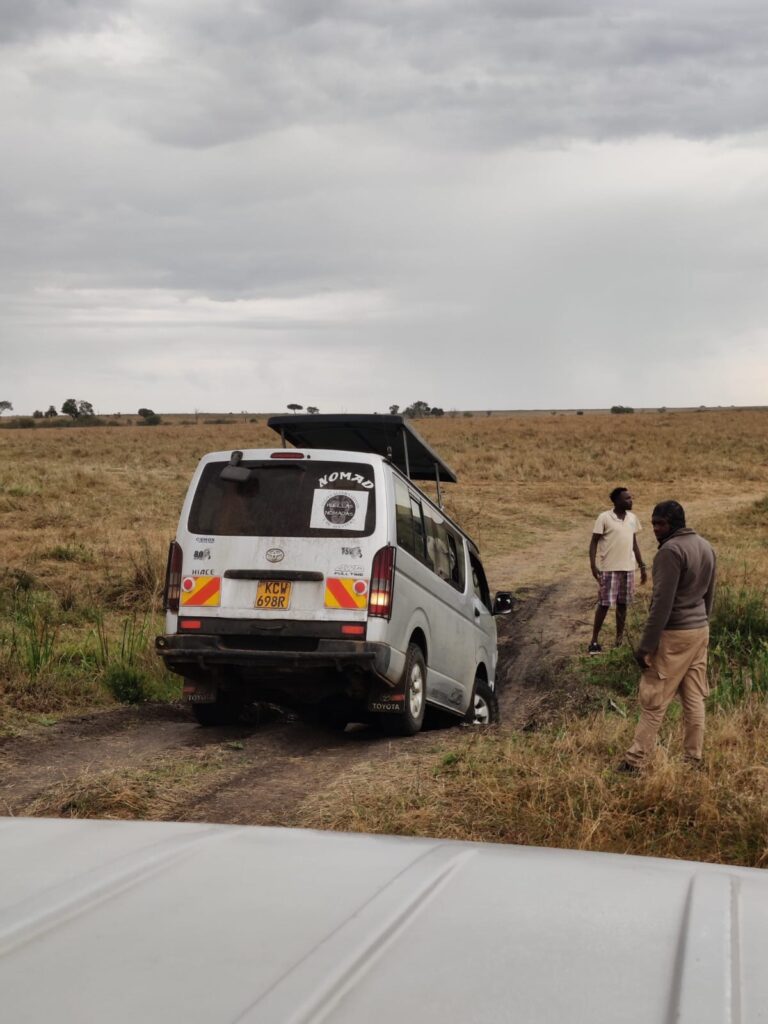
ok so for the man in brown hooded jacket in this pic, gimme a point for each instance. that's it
(673, 647)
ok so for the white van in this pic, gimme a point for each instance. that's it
(321, 577)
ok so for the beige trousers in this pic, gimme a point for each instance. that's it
(677, 668)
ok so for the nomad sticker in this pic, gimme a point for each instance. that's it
(338, 510)
(342, 477)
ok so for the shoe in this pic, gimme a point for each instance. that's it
(625, 768)
(594, 648)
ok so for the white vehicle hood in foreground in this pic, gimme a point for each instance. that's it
(142, 922)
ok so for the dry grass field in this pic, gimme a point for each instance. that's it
(87, 514)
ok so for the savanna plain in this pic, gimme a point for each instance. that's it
(91, 725)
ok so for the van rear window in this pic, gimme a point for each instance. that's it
(286, 499)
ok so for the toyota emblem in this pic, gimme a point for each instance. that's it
(275, 555)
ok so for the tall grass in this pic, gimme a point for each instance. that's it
(47, 665)
(129, 645)
(556, 787)
(739, 644)
(32, 640)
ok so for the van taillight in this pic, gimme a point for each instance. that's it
(382, 579)
(172, 593)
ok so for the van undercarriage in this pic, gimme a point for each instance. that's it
(297, 664)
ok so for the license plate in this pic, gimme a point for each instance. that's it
(273, 594)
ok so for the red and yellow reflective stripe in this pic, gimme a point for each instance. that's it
(201, 590)
(341, 592)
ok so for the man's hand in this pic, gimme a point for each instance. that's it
(596, 573)
(641, 657)
(643, 574)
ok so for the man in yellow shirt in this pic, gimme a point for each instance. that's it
(613, 556)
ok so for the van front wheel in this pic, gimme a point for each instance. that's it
(484, 706)
(414, 683)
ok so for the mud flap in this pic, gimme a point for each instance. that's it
(385, 701)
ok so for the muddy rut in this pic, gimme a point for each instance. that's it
(266, 766)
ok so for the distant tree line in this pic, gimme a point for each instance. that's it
(417, 410)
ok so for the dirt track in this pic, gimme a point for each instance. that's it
(263, 769)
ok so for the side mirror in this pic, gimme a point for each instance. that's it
(503, 602)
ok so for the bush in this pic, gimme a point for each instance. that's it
(126, 684)
(621, 410)
(151, 421)
(19, 423)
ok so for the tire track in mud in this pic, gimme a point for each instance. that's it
(275, 761)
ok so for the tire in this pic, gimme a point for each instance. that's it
(414, 683)
(484, 706)
(222, 712)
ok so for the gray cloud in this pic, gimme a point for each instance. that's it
(492, 74)
(28, 20)
(487, 204)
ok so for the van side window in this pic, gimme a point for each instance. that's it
(423, 533)
(442, 549)
(479, 582)
(456, 560)
(410, 528)
(420, 548)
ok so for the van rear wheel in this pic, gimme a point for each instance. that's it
(414, 684)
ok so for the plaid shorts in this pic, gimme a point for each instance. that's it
(616, 588)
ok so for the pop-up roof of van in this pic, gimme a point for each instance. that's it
(390, 436)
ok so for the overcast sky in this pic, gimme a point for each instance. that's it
(483, 204)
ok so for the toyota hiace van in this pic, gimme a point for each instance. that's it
(321, 577)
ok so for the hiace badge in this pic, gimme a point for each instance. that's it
(338, 510)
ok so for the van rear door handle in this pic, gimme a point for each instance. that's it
(477, 613)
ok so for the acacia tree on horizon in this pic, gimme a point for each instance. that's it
(76, 409)
(294, 407)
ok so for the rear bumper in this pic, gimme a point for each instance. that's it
(183, 652)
